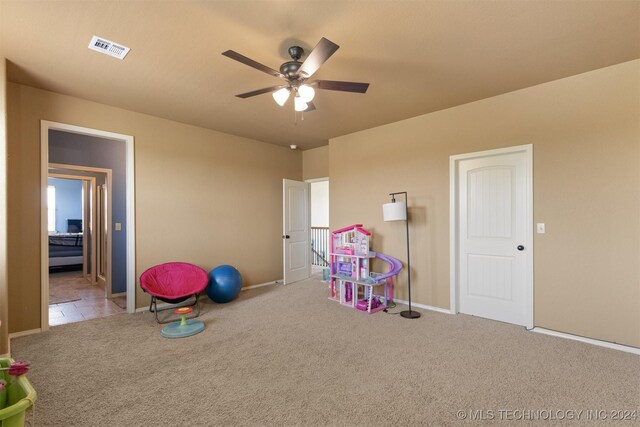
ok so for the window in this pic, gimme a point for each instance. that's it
(51, 206)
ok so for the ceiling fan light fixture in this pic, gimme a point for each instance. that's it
(306, 92)
(299, 104)
(281, 96)
(296, 73)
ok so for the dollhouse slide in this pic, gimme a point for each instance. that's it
(352, 283)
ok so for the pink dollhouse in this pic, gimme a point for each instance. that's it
(351, 281)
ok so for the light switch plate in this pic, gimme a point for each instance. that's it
(540, 228)
(118, 226)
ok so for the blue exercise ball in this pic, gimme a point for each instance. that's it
(225, 283)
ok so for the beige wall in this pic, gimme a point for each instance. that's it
(201, 196)
(315, 163)
(4, 317)
(585, 131)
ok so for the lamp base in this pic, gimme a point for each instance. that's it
(410, 314)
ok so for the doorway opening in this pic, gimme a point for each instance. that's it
(319, 202)
(106, 224)
(80, 249)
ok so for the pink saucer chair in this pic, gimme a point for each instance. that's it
(174, 282)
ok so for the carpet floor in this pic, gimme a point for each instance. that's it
(288, 356)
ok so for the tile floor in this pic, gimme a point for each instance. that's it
(92, 302)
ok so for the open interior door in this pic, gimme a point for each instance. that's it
(101, 237)
(295, 236)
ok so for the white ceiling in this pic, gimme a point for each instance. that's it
(418, 56)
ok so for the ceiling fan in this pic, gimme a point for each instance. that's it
(296, 74)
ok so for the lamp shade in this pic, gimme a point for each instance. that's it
(299, 104)
(281, 96)
(395, 211)
(306, 92)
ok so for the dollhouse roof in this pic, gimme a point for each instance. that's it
(356, 227)
(363, 231)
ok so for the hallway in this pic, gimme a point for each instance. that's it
(73, 299)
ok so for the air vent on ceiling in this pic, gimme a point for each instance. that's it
(108, 47)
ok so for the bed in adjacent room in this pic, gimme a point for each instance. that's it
(65, 249)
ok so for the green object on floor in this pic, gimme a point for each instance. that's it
(15, 398)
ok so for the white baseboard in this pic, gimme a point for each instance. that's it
(24, 333)
(423, 306)
(274, 282)
(607, 344)
(167, 305)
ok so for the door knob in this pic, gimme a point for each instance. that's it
(286, 236)
(520, 248)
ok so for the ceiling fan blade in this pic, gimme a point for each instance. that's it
(251, 63)
(310, 107)
(323, 50)
(342, 86)
(260, 91)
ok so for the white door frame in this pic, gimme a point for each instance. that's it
(454, 264)
(45, 127)
(310, 182)
(108, 173)
(104, 234)
(326, 178)
(91, 209)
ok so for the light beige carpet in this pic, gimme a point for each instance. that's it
(287, 356)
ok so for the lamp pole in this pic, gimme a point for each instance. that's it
(408, 314)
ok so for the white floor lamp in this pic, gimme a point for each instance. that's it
(398, 211)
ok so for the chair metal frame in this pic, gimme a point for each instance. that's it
(153, 308)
